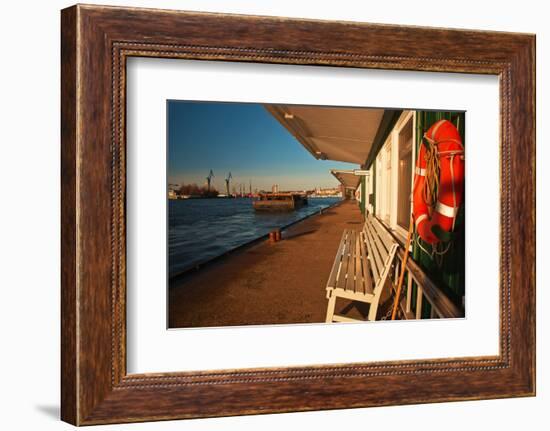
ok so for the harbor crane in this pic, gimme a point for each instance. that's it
(209, 179)
(227, 183)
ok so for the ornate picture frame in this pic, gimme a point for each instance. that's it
(96, 41)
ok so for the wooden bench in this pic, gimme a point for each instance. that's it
(361, 268)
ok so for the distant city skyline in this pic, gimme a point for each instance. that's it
(244, 139)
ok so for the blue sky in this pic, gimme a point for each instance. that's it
(244, 139)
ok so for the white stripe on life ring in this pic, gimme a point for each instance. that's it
(420, 219)
(436, 127)
(446, 210)
(419, 171)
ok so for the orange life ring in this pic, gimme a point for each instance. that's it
(450, 151)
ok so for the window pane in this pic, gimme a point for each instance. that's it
(405, 175)
(387, 183)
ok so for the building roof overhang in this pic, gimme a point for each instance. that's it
(347, 178)
(344, 134)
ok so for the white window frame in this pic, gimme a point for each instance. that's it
(404, 119)
(379, 165)
(384, 199)
(369, 190)
(388, 150)
(386, 205)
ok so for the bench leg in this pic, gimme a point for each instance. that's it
(330, 307)
(373, 310)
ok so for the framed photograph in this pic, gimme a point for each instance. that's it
(263, 214)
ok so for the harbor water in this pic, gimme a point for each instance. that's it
(202, 229)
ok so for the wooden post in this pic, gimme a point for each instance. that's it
(409, 292)
(419, 295)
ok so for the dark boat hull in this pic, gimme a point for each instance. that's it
(277, 206)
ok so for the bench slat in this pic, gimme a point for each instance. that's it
(377, 263)
(384, 273)
(347, 260)
(382, 252)
(370, 255)
(339, 318)
(341, 282)
(352, 296)
(350, 280)
(359, 284)
(366, 269)
(380, 283)
(383, 233)
(337, 262)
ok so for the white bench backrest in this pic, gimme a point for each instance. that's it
(381, 250)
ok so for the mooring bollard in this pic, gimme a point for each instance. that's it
(275, 235)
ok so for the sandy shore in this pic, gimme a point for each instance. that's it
(267, 283)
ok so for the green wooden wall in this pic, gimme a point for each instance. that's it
(364, 196)
(447, 270)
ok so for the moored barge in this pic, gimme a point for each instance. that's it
(279, 202)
